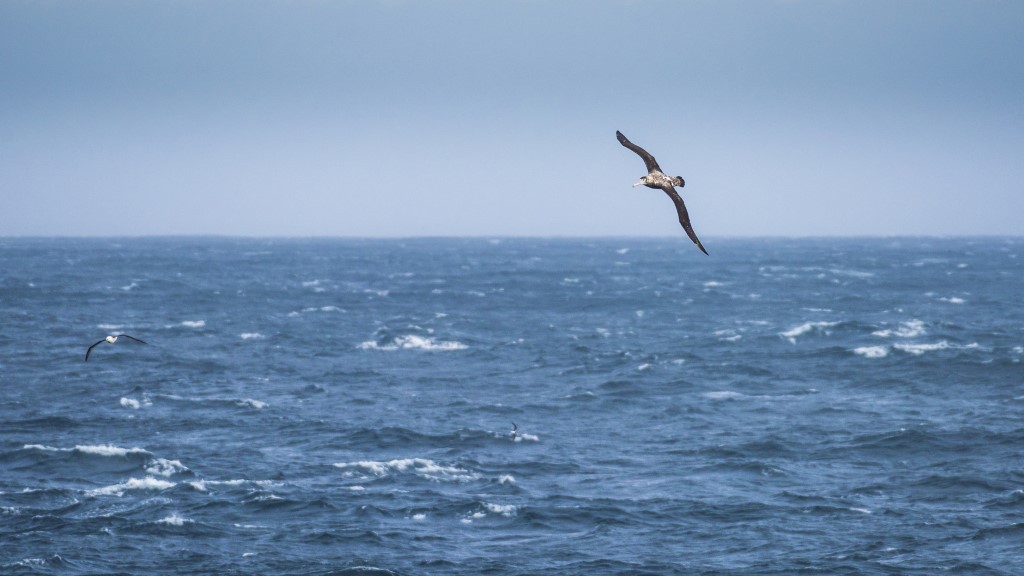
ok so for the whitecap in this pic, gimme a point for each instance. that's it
(413, 342)
(422, 467)
(723, 395)
(310, 283)
(643, 367)
(728, 335)
(853, 273)
(109, 450)
(908, 329)
(252, 336)
(953, 300)
(419, 517)
(147, 483)
(806, 327)
(249, 402)
(712, 284)
(918, 349)
(166, 468)
(129, 287)
(174, 520)
(130, 403)
(506, 479)
(110, 326)
(194, 323)
(507, 510)
(872, 351)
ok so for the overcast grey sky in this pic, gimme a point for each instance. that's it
(407, 118)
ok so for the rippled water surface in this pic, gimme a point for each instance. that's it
(345, 406)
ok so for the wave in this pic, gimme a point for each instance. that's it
(251, 336)
(914, 349)
(98, 450)
(147, 483)
(422, 467)
(872, 351)
(174, 520)
(412, 342)
(807, 327)
(908, 329)
(194, 323)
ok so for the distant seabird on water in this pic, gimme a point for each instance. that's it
(512, 434)
(110, 340)
(657, 179)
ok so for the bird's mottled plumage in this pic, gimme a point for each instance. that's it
(110, 340)
(655, 178)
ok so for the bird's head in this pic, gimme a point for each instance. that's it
(678, 181)
(640, 181)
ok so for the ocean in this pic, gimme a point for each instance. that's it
(344, 406)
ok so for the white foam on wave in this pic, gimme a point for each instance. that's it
(506, 479)
(526, 437)
(413, 342)
(147, 483)
(174, 520)
(507, 510)
(110, 326)
(166, 468)
(728, 335)
(422, 467)
(204, 485)
(310, 283)
(908, 329)
(953, 300)
(851, 273)
(97, 450)
(130, 287)
(109, 450)
(723, 395)
(194, 323)
(712, 284)
(251, 403)
(918, 349)
(872, 351)
(806, 327)
(251, 336)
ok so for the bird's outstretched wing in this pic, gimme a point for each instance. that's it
(131, 338)
(649, 160)
(684, 216)
(89, 351)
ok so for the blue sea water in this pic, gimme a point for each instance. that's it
(785, 406)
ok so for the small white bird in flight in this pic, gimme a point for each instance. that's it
(110, 340)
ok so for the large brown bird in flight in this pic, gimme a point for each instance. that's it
(657, 179)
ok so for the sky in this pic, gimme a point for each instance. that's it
(403, 118)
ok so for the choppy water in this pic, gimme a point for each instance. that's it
(344, 406)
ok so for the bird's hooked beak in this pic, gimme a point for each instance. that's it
(640, 181)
